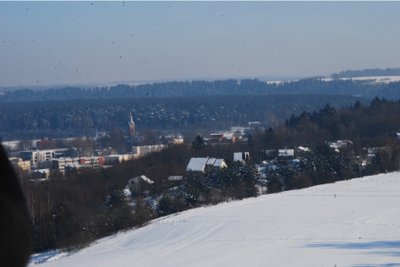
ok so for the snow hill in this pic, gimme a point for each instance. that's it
(370, 79)
(350, 223)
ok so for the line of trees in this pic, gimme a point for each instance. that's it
(214, 88)
(32, 120)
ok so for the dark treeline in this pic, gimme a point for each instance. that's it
(83, 117)
(366, 125)
(68, 212)
(366, 73)
(211, 88)
(372, 127)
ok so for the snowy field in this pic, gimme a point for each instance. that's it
(351, 223)
(373, 79)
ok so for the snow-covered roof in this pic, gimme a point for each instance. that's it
(238, 156)
(286, 152)
(141, 177)
(146, 179)
(47, 171)
(175, 178)
(302, 148)
(220, 163)
(127, 192)
(211, 161)
(197, 164)
(340, 144)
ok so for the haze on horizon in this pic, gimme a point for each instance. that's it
(48, 43)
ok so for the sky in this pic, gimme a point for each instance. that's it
(69, 43)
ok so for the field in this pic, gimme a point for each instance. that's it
(350, 223)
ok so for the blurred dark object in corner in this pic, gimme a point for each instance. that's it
(15, 228)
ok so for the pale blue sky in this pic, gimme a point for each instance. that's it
(46, 43)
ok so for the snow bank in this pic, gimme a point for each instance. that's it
(350, 223)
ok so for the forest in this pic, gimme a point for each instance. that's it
(367, 72)
(29, 120)
(245, 87)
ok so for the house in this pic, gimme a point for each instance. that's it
(205, 164)
(340, 144)
(268, 154)
(241, 156)
(178, 140)
(304, 149)
(117, 158)
(24, 165)
(140, 151)
(40, 175)
(127, 194)
(140, 185)
(93, 161)
(286, 153)
(197, 165)
(175, 178)
(216, 137)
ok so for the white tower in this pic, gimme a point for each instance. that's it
(132, 127)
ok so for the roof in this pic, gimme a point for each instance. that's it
(175, 178)
(197, 164)
(237, 156)
(146, 179)
(240, 156)
(286, 152)
(302, 148)
(211, 161)
(219, 163)
(127, 192)
(141, 177)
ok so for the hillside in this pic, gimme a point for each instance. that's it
(29, 120)
(350, 223)
(245, 87)
(367, 73)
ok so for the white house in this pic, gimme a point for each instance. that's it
(205, 164)
(286, 152)
(241, 156)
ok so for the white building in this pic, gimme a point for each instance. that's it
(37, 157)
(205, 164)
(118, 158)
(286, 153)
(241, 156)
(141, 151)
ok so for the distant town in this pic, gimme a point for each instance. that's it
(42, 158)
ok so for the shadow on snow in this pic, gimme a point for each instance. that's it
(389, 248)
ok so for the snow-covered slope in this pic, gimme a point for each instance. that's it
(370, 79)
(350, 223)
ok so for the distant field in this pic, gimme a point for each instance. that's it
(371, 79)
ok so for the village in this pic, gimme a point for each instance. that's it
(271, 167)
